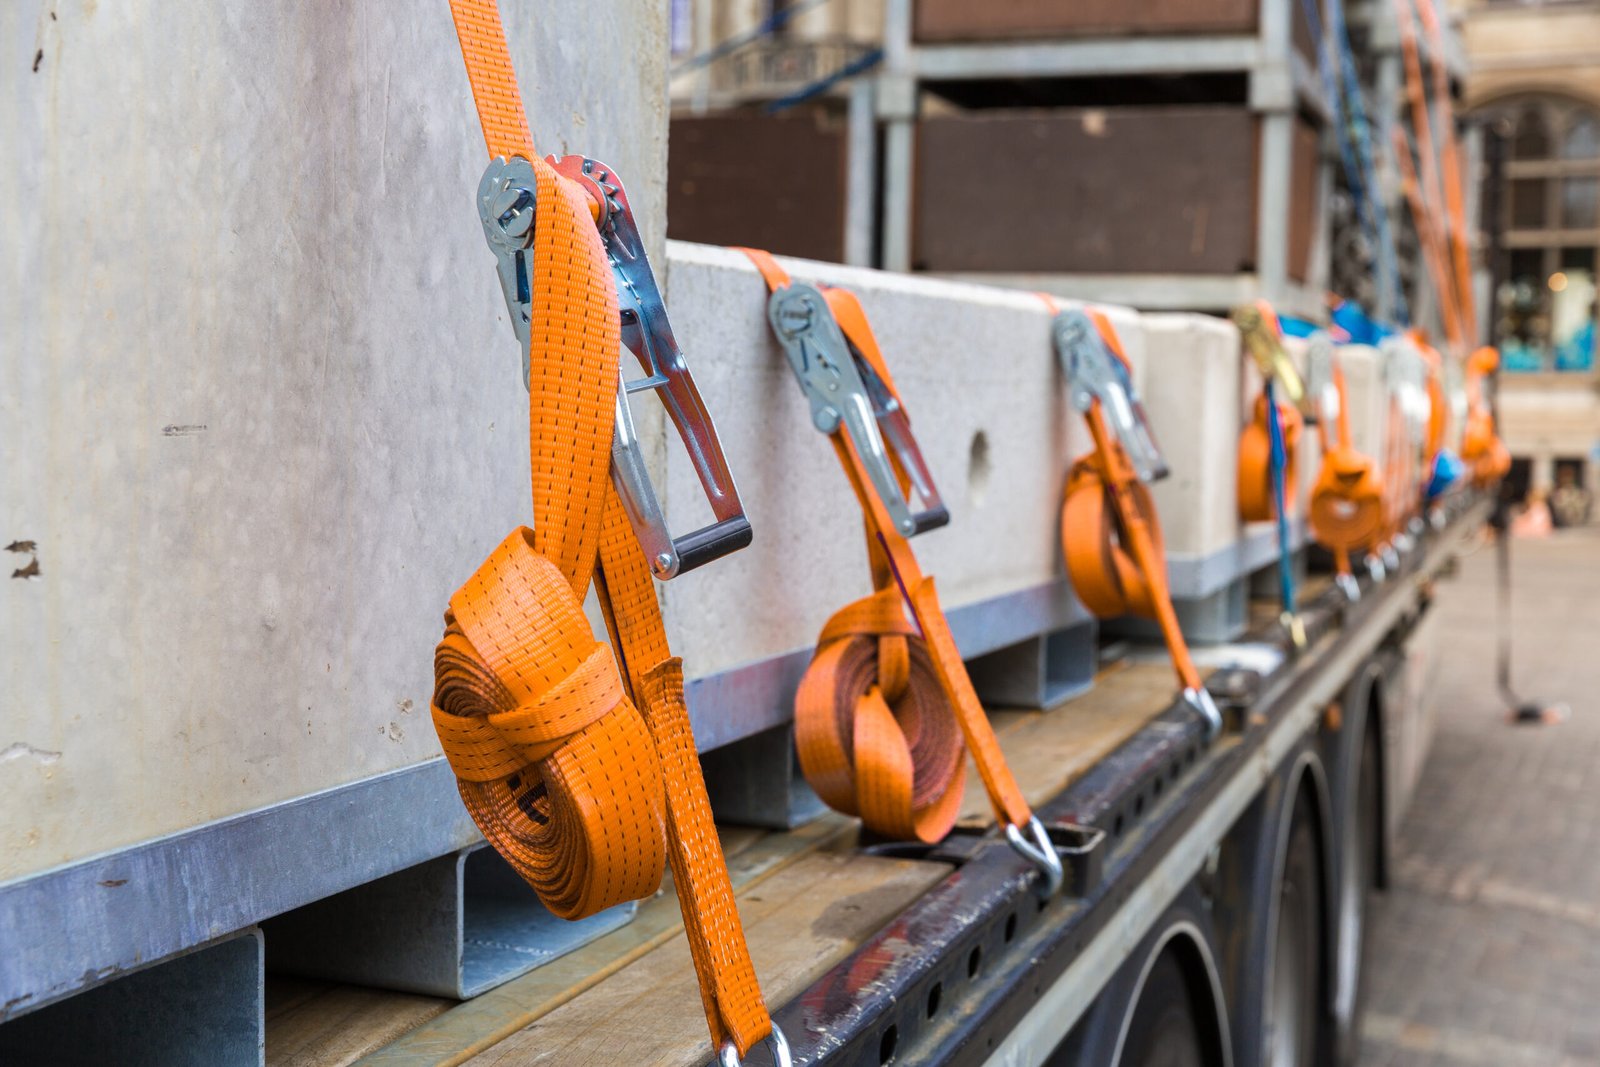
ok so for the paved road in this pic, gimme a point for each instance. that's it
(1486, 950)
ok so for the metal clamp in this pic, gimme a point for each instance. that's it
(1376, 568)
(1202, 704)
(1264, 342)
(846, 393)
(506, 198)
(1041, 851)
(728, 1055)
(1096, 374)
(1348, 586)
(1295, 627)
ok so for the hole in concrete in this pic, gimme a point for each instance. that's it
(978, 468)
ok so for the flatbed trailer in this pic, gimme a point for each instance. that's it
(1168, 937)
(230, 554)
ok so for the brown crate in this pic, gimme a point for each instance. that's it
(1130, 190)
(1303, 162)
(767, 181)
(995, 20)
(945, 21)
(1159, 190)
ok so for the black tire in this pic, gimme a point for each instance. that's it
(1163, 1031)
(1358, 881)
(1291, 1024)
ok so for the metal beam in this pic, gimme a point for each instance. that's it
(1086, 57)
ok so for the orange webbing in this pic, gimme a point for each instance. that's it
(1257, 501)
(882, 714)
(1346, 512)
(1110, 533)
(1481, 447)
(579, 769)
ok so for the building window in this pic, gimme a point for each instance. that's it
(1547, 301)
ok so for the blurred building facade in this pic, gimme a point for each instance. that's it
(1535, 77)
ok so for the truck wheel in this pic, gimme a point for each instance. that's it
(1359, 866)
(1289, 1037)
(1163, 1032)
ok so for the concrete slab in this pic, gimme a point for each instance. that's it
(259, 404)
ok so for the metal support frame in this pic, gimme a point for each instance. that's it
(1040, 672)
(1153, 292)
(1281, 84)
(860, 207)
(455, 927)
(757, 782)
(71, 928)
(202, 1008)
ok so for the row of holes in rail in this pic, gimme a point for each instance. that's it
(932, 993)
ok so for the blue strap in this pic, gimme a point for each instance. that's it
(1280, 462)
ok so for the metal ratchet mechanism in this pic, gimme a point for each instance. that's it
(506, 207)
(1095, 373)
(845, 392)
(1265, 345)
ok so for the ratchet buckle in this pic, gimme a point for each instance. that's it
(1263, 339)
(1095, 372)
(506, 207)
(847, 393)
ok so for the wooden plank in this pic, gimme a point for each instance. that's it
(475, 1025)
(1048, 750)
(320, 1024)
(798, 926)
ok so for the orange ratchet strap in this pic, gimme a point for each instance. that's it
(1481, 447)
(1346, 511)
(1263, 336)
(1257, 501)
(1110, 534)
(885, 711)
(583, 774)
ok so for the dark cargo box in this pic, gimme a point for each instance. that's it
(946, 21)
(769, 181)
(1168, 190)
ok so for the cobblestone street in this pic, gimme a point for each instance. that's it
(1486, 948)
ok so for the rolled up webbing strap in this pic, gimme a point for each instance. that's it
(886, 712)
(576, 758)
(1257, 495)
(1110, 532)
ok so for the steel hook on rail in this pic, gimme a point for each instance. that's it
(728, 1055)
(1040, 851)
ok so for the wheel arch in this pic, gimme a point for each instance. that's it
(1187, 942)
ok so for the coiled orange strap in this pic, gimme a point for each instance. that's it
(581, 771)
(1257, 502)
(1346, 512)
(885, 710)
(1110, 534)
(1482, 449)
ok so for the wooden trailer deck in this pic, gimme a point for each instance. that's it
(807, 899)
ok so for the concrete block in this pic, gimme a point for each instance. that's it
(988, 403)
(259, 403)
(1191, 393)
(1368, 396)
